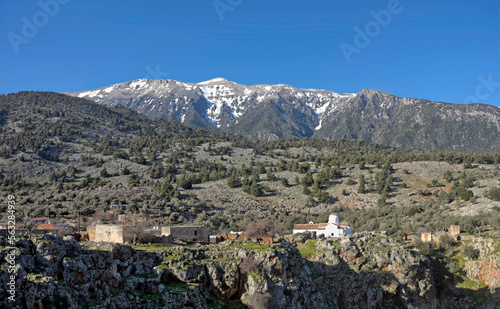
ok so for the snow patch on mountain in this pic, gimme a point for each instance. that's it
(89, 94)
(138, 84)
(213, 81)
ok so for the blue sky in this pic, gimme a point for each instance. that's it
(446, 50)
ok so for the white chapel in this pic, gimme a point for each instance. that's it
(333, 228)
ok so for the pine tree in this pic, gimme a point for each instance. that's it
(361, 186)
(233, 181)
(362, 165)
(255, 189)
(185, 182)
(269, 175)
(307, 179)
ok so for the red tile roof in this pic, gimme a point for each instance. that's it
(43, 226)
(320, 226)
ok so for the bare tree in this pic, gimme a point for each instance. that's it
(66, 231)
(259, 229)
(137, 231)
(30, 225)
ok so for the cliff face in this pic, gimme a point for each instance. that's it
(362, 271)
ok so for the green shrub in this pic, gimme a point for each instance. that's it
(471, 253)
(425, 248)
(446, 241)
(466, 195)
(350, 182)
(494, 194)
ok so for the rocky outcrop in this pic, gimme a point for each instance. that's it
(381, 272)
(487, 267)
(361, 271)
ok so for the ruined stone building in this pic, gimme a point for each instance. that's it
(187, 233)
(453, 231)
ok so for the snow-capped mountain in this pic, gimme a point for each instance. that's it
(275, 111)
(217, 102)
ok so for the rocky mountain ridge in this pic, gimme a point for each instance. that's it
(277, 111)
(215, 103)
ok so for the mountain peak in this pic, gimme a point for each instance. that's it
(368, 91)
(217, 80)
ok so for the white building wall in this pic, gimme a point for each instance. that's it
(333, 219)
(331, 230)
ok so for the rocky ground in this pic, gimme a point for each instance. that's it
(365, 270)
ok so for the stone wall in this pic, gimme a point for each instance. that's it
(91, 233)
(189, 233)
(426, 237)
(454, 230)
(109, 233)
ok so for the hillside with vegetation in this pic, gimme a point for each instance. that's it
(62, 156)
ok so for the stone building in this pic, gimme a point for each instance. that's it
(109, 233)
(333, 228)
(453, 231)
(187, 233)
(426, 237)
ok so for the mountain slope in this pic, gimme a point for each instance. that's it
(278, 111)
(53, 125)
(376, 116)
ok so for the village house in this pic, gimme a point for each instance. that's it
(187, 233)
(119, 207)
(39, 229)
(333, 228)
(39, 220)
(46, 228)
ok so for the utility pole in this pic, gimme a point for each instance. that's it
(78, 206)
(79, 229)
